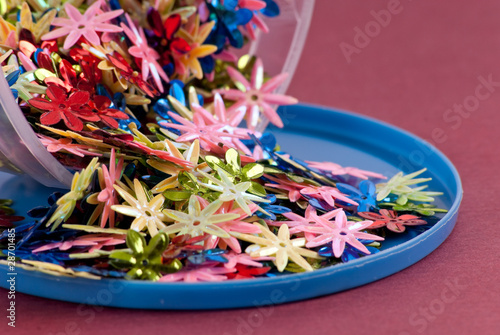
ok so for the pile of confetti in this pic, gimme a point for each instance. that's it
(150, 106)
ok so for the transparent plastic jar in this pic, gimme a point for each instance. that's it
(22, 152)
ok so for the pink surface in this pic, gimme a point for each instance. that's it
(427, 59)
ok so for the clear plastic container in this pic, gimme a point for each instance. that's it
(22, 152)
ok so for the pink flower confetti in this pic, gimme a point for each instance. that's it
(327, 193)
(310, 217)
(226, 121)
(64, 144)
(244, 259)
(207, 273)
(94, 241)
(209, 135)
(336, 169)
(285, 184)
(256, 21)
(148, 55)
(86, 25)
(256, 95)
(236, 225)
(108, 195)
(340, 232)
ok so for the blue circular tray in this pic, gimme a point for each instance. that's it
(310, 133)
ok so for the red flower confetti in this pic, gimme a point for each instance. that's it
(246, 272)
(107, 115)
(132, 76)
(391, 220)
(168, 44)
(61, 107)
(6, 219)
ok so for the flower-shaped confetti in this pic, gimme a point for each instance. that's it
(148, 56)
(365, 196)
(25, 86)
(122, 69)
(226, 122)
(310, 217)
(391, 220)
(415, 194)
(41, 26)
(286, 184)
(257, 96)
(235, 172)
(67, 203)
(108, 116)
(93, 242)
(238, 225)
(66, 145)
(207, 273)
(144, 261)
(209, 135)
(188, 63)
(165, 31)
(340, 232)
(422, 209)
(107, 197)
(231, 191)
(6, 219)
(198, 221)
(147, 213)
(399, 183)
(8, 34)
(243, 259)
(279, 245)
(71, 109)
(257, 6)
(269, 210)
(192, 154)
(336, 169)
(86, 25)
(327, 193)
(228, 18)
(248, 272)
(183, 243)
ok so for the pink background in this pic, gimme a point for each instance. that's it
(427, 59)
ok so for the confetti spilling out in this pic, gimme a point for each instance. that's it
(151, 108)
